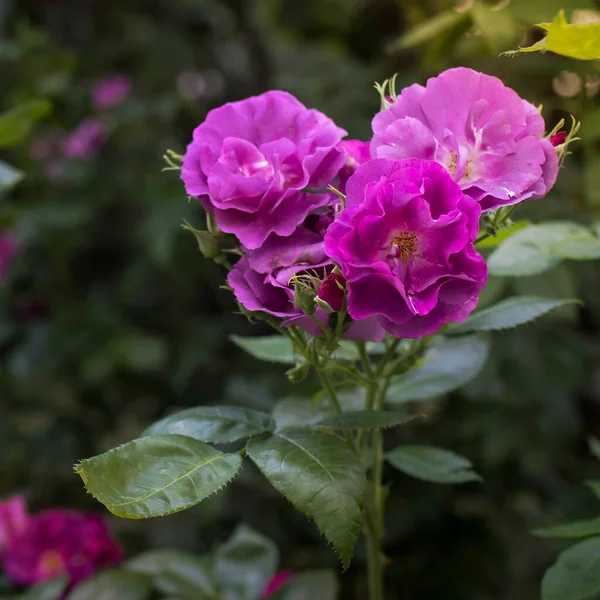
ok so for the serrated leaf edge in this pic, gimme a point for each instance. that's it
(345, 563)
(80, 471)
(461, 328)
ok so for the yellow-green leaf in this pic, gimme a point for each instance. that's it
(568, 39)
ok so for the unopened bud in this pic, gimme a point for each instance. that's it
(332, 292)
(558, 138)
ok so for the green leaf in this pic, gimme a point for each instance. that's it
(214, 424)
(364, 419)
(449, 364)
(509, 313)
(432, 464)
(293, 412)
(346, 351)
(575, 41)
(157, 475)
(113, 584)
(582, 245)
(49, 590)
(529, 251)
(9, 176)
(15, 124)
(503, 234)
(576, 529)
(272, 348)
(576, 573)
(321, 476)
(176, 572)
(429, 30)
(245, 563)
(310, 585)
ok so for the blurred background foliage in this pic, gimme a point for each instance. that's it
(110, 318)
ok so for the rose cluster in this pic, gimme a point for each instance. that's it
(365, 238)
(53, 543)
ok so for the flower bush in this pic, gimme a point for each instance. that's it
(335, 243)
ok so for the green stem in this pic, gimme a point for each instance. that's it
(326, 382)
(374, 507)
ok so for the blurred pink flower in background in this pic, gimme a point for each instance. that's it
(54, 543)
(110, 92)
(85, 140)
(9, 248)
(277, 581)
(14, 517)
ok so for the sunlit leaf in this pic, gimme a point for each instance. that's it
(245, 563)
(157, 475)
(448, 365)
(214, 424)
(576, 573)
(509, 313)
(432, 464)
(572, 40)
(321, 476)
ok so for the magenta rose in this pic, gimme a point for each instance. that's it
(405, 245)
(357, 153)
(482, 132)
(264, 281)
(249, 161)
(60, 542)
